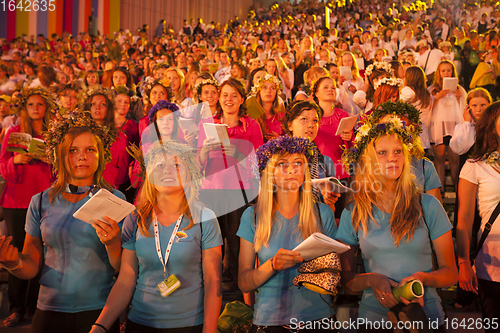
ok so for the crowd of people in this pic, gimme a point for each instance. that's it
(129, 113)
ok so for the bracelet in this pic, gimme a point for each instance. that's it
(272, 263)
(18, 266)
(104, 328)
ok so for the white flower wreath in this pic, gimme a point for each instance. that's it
(379, 65)
(392, 81)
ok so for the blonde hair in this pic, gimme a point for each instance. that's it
(267, 205)
(179, 95)
(354, 67)
(407, 211)
(147, 200)
(314, 73)
(65, 169)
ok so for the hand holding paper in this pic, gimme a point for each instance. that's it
(318, 245)
(104, 203)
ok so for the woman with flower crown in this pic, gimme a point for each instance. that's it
(168, 209)
(393, 224)
(25, 174)
(101, 104)
(121, 77)
(284, 216)
(267, 91)
(77, 260)
(155, 91)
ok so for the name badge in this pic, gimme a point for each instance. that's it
(169, 285)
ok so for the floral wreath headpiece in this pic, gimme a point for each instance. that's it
(124, 90)
(260, 84)
(148, 84)
(163, 104)
(90, 92)
(199, 86)
(281, 145)
(392, 81)
(374, 129)
(385, 66)
(20, 101)
(148, 154)
(61, 124)
(400, 109)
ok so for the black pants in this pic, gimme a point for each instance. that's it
(23, 294)
(63, 322)
(137, 328)
(489, 294)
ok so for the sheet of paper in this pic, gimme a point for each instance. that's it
(218, 132)
(187, 125)
(330, 184)
(104, 203)
(345, 71)
(321, 63)
(361, 63)
(450, 83)
(346, 124)
(318, 245)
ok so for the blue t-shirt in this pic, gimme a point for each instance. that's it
(76, 273)
(425, 174)
(381, 255)
(184, 307)
(278, 300)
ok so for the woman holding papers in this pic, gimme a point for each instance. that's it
(77, 260)
(284, 216)
(101, 104)
(267, 91)
(447, 111)
(206, 92)
(228, 185)
(324, 93)
(393, 224)
(172, 260)
(25, 176)
(302, 120)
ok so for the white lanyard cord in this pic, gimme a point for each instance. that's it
(169, 246)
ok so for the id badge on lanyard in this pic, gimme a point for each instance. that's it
(170, 283)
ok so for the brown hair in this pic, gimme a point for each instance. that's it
(384, 93)
(65, 168)
(295, 110)
(486, 134)
(26, 122)
(438, 80)
(416, 80)
(236, 84)
(109, 120)
(479, 93)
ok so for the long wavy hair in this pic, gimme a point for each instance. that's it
(147, 199)
(416, 80)
(26, 122)
(267, 205)
(180, 94)
(65, 168)
(487, 139)
(384, 93)
(438, 80)
(369, 189)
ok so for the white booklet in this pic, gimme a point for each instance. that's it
(318, 245)
(450, 83)
(345, 71)
(346, 124)
(330, 184)
(361, 63)
(104, 203)
(188, 125)
(218, 132)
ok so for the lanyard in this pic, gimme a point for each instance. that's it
(170, 242)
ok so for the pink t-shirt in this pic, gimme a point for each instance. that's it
(330, 144)
(225, 172)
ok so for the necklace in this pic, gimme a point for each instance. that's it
(494, 160)
(73, 189)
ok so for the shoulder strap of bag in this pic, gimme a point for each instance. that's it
(427, 60)
(40, 205)
(487, 229)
